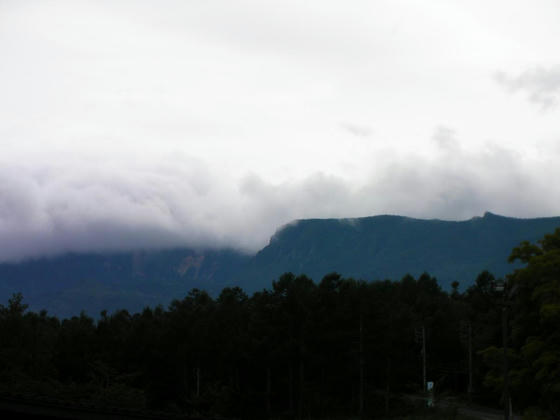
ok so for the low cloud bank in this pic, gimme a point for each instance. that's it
(48, 209)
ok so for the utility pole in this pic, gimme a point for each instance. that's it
(424, 358)
(361, 407)
(197, 371)
(301, 381)
(420, 335)
(470, 388)
(268, 390)
(387, 386)
(501, 287)
(507, 402)
(291, 388)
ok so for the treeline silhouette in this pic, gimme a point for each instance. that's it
(301, 349)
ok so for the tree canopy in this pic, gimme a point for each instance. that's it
(300, 348)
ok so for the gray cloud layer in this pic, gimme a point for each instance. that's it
(210, 124)
(541, 85)
(48, 208)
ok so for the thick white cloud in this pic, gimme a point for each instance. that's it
(84, 205)
(210, 123)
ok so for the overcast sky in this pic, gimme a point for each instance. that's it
(138, 124)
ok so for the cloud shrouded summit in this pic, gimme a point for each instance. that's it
(210, 124)
(49, 209)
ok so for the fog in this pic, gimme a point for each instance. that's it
(211, 124)
(50, 208)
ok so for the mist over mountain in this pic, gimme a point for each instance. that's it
(370, 248)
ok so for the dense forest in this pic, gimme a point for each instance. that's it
(304, 349)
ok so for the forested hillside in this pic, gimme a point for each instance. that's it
(67, 284)
(389, 247)
(369, 248)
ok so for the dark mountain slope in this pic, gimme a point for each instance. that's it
(382, 247)
(65, 285)
(370, 248)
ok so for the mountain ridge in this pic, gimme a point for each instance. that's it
(371, 248)
(378, 234)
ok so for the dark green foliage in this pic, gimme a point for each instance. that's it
(535, 313)
(292, 350)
